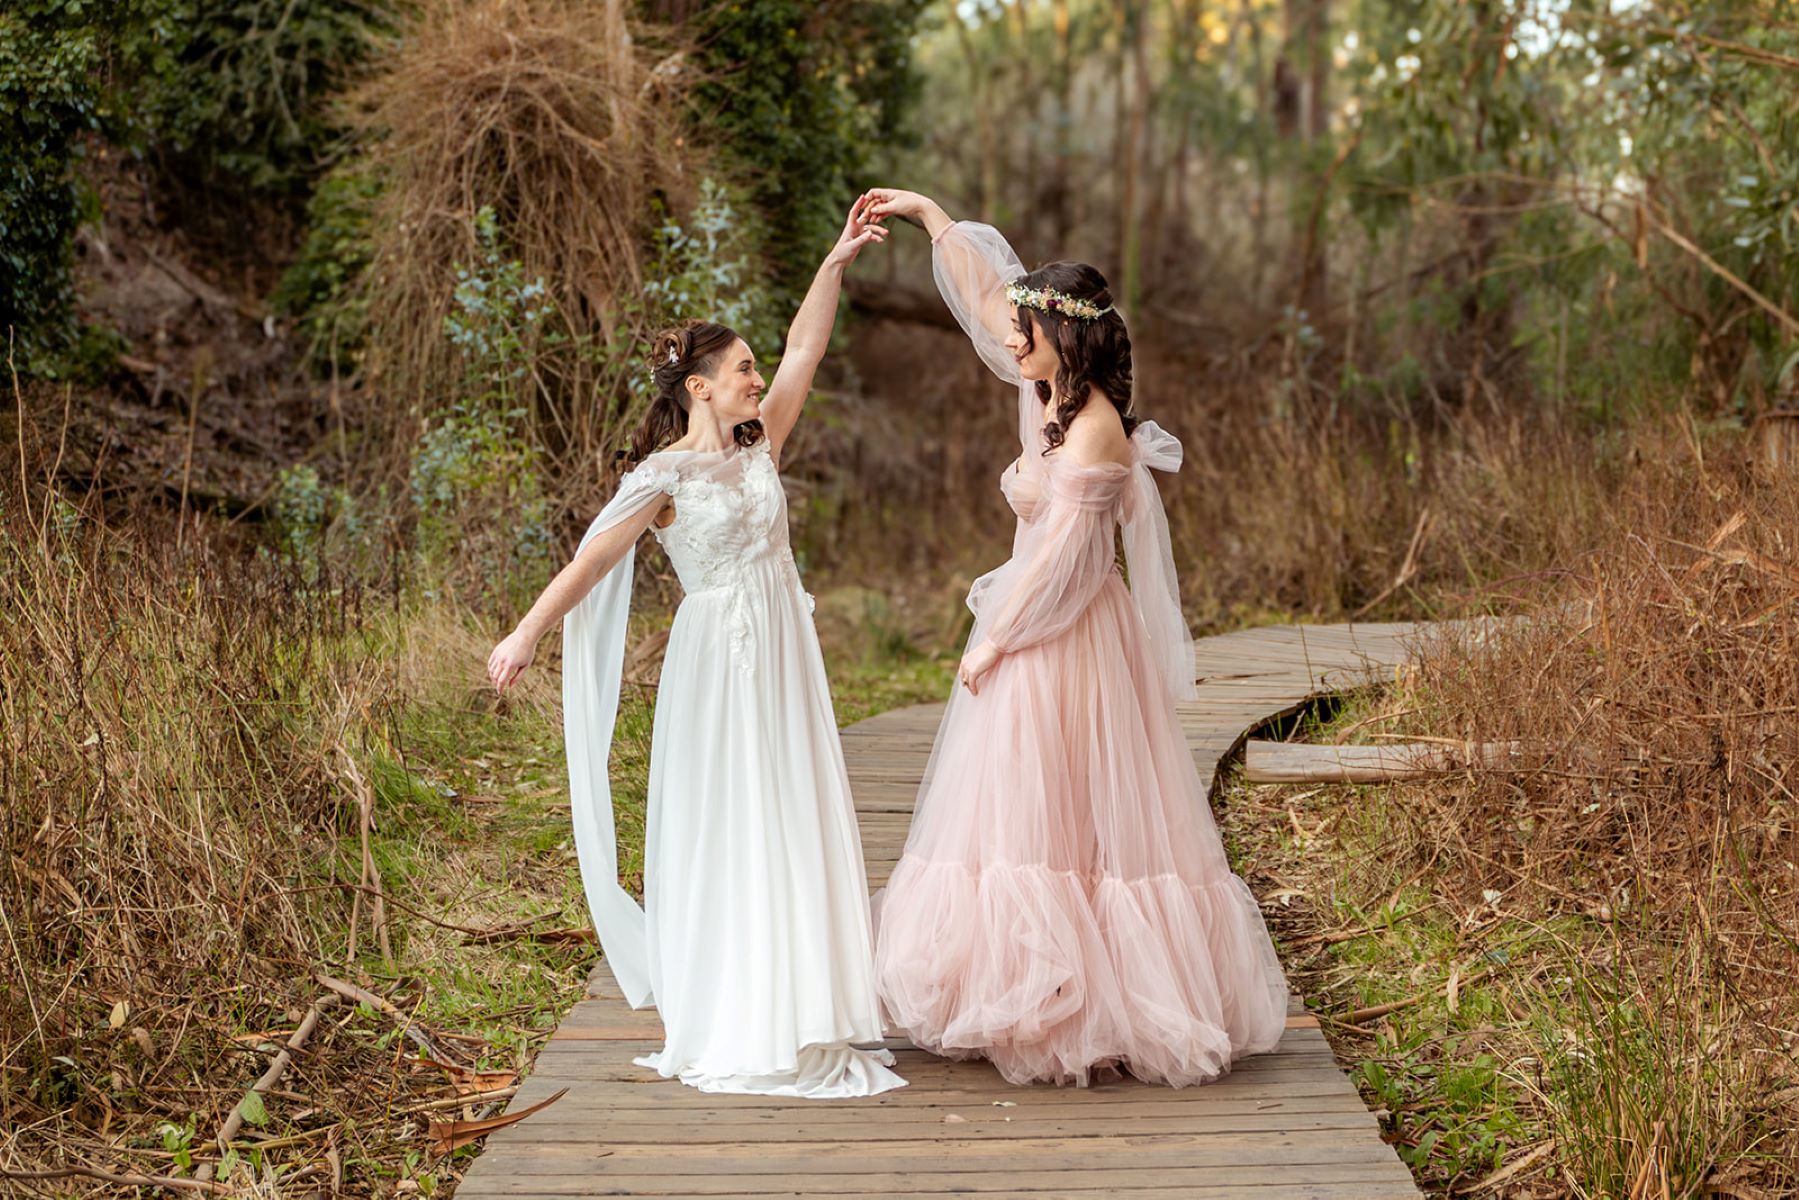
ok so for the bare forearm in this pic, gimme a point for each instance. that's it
(574, 581)
(810, 334)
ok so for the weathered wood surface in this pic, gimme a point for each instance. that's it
(1282, 1126)
(1304, 762)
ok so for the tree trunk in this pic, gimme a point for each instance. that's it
(1060, 193)
(986, 131)
(1136, 151)
(1028, 89)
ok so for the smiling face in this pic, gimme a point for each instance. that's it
(733, 386)
(1036, 355)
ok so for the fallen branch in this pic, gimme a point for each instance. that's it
(371, 874)
(444, 1102)
(269, 1079)
(1516, 1167)
(407, 1025)
(1357, 1016)
(135, 1181)
(1407, 568)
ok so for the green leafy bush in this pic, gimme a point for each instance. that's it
(796, 95)
(236, 88)
(321, 289)
(474, 476)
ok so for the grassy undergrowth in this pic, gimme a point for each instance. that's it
(1513, 1050)
(199, 745)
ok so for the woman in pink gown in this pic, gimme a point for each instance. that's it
(1064, 905)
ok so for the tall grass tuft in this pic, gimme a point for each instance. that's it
(1654, 692)
(1648, 1092)
(552, 114)
(174, 715)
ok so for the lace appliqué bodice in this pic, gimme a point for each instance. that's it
(730, 529)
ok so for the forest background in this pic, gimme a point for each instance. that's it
(326, 322)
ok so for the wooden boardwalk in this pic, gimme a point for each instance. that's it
(1282, 1126)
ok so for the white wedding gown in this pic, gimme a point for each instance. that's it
(756, 938)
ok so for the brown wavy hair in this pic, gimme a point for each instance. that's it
(694, 348)
(1093, 353)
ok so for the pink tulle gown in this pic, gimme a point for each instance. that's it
(1064, 903)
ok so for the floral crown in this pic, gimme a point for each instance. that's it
(1050, 300)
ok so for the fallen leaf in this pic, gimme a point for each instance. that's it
(120, 1010)
(471, 1083)
(953, 1119)
(447, 1136)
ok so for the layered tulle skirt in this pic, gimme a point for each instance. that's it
(1064, 904)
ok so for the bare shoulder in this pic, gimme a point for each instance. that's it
(1096, 435)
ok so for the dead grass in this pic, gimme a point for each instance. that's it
(1321, 513)
(556, 114)
(1578, 971)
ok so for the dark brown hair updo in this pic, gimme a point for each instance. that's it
(695, 348)
(1094, 353)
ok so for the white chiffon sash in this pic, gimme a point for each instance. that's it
(593, 660)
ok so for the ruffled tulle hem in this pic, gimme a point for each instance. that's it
(1056, 975)
(833, 1072)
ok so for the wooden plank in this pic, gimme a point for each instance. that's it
(1304, 762)
(1208, 1189)
(727, 1125)
(1098, 1180)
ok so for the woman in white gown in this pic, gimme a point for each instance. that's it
(754, 940)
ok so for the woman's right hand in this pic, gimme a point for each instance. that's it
(509, 659)
(892, 202)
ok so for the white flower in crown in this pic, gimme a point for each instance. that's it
(1050, 300)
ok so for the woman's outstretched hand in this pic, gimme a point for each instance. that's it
(858, 231)
(975, 665)
(910, 206)
(892, 202)
(509, 660)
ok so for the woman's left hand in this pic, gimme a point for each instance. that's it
(975, 664)
(858, 231)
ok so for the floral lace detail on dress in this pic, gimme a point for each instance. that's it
(728, 521)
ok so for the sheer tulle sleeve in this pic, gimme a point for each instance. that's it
(1070, 556)
(972, 265)
(593, 655)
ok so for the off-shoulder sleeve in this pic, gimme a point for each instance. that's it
(1070, 557)
(972, 264)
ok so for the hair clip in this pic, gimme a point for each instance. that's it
(674, 356)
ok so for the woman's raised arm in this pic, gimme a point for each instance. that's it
(810, 333)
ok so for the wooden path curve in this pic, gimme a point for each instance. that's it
(1282, 1126)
